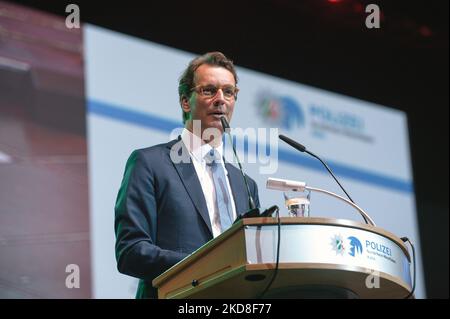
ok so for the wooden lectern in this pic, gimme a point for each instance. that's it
(318, 258)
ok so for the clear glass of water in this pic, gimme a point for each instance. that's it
(298, 203)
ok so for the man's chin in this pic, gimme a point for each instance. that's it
(213, 129)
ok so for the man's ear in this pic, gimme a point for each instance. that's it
(185, 104)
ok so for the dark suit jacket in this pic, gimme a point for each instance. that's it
(161, 214)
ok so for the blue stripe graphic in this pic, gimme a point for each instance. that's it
(158, 123)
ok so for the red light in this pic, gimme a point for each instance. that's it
(358, 7)
(425, 31)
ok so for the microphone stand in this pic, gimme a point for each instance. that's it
(253, 211)
(302, 148)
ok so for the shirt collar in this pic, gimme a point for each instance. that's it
(197, 147)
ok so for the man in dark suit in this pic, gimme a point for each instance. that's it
(177, 196)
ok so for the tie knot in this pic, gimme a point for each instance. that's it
(212, 157)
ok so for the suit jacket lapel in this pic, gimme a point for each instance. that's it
(185, 168)
(238, 189)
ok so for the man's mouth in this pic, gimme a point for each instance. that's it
(218, 114)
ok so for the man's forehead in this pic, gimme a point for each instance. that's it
(213, 72)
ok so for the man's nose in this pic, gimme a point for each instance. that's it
(219, 98)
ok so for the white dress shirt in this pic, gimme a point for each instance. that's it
(197, 152)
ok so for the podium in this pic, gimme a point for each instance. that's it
(318, 258)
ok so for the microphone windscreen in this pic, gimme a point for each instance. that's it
(292, 143)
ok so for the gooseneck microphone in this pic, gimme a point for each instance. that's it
(302, 148)
(254, 211)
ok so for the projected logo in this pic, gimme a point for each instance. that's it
(326, 120)
(281, 111)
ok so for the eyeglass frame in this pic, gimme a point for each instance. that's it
(195, 88)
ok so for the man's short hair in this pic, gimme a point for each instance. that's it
(186, 83)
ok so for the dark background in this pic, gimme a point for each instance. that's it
(325, 43)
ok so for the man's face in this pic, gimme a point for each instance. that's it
(209, 109)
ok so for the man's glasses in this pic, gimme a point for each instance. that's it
(229, 91)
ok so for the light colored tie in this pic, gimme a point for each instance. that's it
(220, 185)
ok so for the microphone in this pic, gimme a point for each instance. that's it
(254, 211)
(302, 148)
(285, 185)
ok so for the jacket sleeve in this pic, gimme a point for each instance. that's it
(255, 193)
(135, 224)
